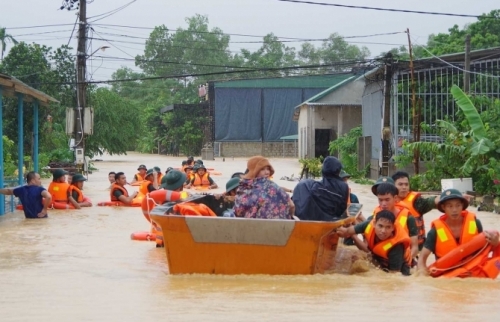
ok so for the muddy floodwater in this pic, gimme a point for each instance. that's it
(81, 265)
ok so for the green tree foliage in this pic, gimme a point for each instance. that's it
(184, 129)
(485, 33)
(9, 165)
(272, 54)
(194, 50)
(50, 71)
(346, 149)
(4, 38)
(332, 51)
(116, 128)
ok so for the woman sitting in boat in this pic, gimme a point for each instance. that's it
(259, 197)
(75, 194)
(201, 179)
(150, 182)
(455, 233)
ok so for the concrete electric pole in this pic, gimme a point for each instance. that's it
(81, 87)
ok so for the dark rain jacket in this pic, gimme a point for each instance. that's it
(324, 200)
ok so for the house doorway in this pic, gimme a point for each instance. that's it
(322, 138)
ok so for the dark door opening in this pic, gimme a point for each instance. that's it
(322, 142)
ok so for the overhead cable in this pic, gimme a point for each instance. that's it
(385, 9)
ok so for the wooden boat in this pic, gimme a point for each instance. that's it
(219, 245)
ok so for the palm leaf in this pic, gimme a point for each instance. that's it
(470, 112)
(467, 168)
(481, 147)
(449, 127)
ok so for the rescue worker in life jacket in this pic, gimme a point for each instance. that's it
(387, 241)
(387, 195)
(189, 171)
(58, 188)
(457, 226)
(416, 205)
(118, 191)
(159, 175)
(75, 194)
(140, 176)
(202, 179)
(150, 182)
(111, 178)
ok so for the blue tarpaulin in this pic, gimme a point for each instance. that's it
(257, 114)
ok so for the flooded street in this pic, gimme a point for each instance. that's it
(81, 265)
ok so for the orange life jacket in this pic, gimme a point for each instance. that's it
(408, 203)
(445, 241)
(59, 191)
(160, 176)
(401, 217)
(349, 198)
(139, 176)
(382, 248)
(80, 193)
(193, 209)
(143, 188)
(201, 181)
(117, 187)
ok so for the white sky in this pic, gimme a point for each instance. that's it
(256, 17)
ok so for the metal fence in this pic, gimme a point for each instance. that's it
(10, 202)
(433, 83)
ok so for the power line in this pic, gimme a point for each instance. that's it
(112, 12)
(41, 26)
(74, 27)
(204, 74)
(450, 64)
(240, 35)
(42, 33)
(262, 41)
(384, 9)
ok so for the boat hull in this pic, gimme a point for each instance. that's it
(248, 246)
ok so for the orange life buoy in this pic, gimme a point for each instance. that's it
(136, 202)
(479, 265)
(143, 236)
(454, 257)
(115, 204)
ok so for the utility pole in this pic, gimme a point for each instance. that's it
(467, 65)
(81, 87)
(386, 131)
(416, 116)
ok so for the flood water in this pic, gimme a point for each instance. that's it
(80, 265)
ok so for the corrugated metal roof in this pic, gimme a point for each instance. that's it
(327, 91)
(312, 81)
